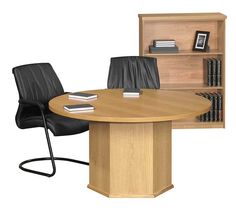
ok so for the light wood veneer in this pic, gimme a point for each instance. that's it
(130, 159)
(151, 106)
(130, 138)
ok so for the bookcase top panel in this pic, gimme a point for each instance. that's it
(183, 16)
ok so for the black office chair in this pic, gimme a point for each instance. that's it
(133, 72)
(37, 84)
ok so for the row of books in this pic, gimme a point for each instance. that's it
(163, 46)
(212, 70)
(80, 108)
(216, 111)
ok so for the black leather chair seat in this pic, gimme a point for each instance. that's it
(59, 125)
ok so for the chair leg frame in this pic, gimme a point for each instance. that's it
(51, 158)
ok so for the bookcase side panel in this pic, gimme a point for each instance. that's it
(221, 43)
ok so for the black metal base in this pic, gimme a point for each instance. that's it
(53, 164)
(51, 158)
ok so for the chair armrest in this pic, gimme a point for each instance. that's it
(33, 103)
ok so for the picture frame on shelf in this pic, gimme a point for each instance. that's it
(201, 41)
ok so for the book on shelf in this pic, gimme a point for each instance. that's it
(79, 108)
(82, 96)
(207, 71)
(153, 49)
(212, 70)
(131, 92)
(165, 45)
(218, 72)
(215, 114)
(220, 103)
(164, 42)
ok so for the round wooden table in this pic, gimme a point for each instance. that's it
(130, 138)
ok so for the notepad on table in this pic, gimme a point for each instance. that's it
(131, 92)
(79, 108)
(82, 96)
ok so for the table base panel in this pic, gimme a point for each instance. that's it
(130, 159)
(131, 195)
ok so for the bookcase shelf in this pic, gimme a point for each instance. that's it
(184, 71)
(186, 53)
(188, 86)
(196, 124)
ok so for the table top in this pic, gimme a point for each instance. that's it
(151, 106)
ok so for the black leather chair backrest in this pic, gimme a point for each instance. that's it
(133, 72)
(37, 82)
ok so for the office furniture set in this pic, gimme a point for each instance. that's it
(129, 138)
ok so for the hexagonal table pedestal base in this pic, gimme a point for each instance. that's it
(130, 159)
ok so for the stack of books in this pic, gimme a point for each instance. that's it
(82, 96)
(164, 46)
(131, 92)
(215, 113)
(212, 70)
(79, 108)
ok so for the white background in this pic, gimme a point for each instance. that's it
(78, 38)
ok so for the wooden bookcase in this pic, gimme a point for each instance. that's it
(183, 71)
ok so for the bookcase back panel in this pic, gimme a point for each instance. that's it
(183, 33)
(180, 69)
